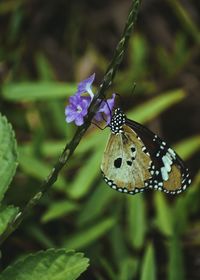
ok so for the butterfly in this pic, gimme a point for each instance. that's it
(136, 159)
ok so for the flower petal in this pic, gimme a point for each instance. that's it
(98, 117)
(79, 120)
(85, 86)
(70, 118)
(70, 114)
(105, 110)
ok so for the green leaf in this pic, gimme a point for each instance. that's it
(51, 264)
(176, 262)
(128, 269)
(32, 91)
(84, 238)
(7, 214)
(188, 147)
(59, 209)
(45, 69)
(148, 265)
(182, 211)
(96, 140)
(138, 56)
(186, 205)
(56, 110)
(155, 106)
(164, 215)
(136, 219)
(106, 266)
(47, 148)
(53, 148)
(117, 238)
(86, 175)
(8, 155)
(38, 169)
(185, 19)
(95, 207)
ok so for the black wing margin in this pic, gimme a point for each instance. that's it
(169, 173)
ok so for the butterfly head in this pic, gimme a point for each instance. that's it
(117, 121)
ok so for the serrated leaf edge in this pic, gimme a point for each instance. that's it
(12, 132)
(51, 250)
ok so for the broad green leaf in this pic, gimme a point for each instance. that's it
(7, 214)
(86, 175)
(148, 265)
(84, 238)
(157, 105)
(136, 219)
(59, 209)
(32, 91)
(51, 264)
(38, 169)
(176, 263)
(8, 155)
(164, 215)
(188, 147)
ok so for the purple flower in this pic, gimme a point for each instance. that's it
(79, 104)
(85, 86)
(105, 110)
(77, 109)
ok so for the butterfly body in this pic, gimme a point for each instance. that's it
(136, 159)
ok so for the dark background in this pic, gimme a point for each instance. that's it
(66, 41)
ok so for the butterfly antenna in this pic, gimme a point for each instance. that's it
(104, 118)
(134, 86)
(107, 106)
(120, 100)
(133, 89)
(99, 126)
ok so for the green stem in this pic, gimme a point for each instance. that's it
(71, 146)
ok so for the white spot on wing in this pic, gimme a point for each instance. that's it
(172, 153)
(164, 174)
(167, 163)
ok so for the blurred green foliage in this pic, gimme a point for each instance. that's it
(146, 236)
